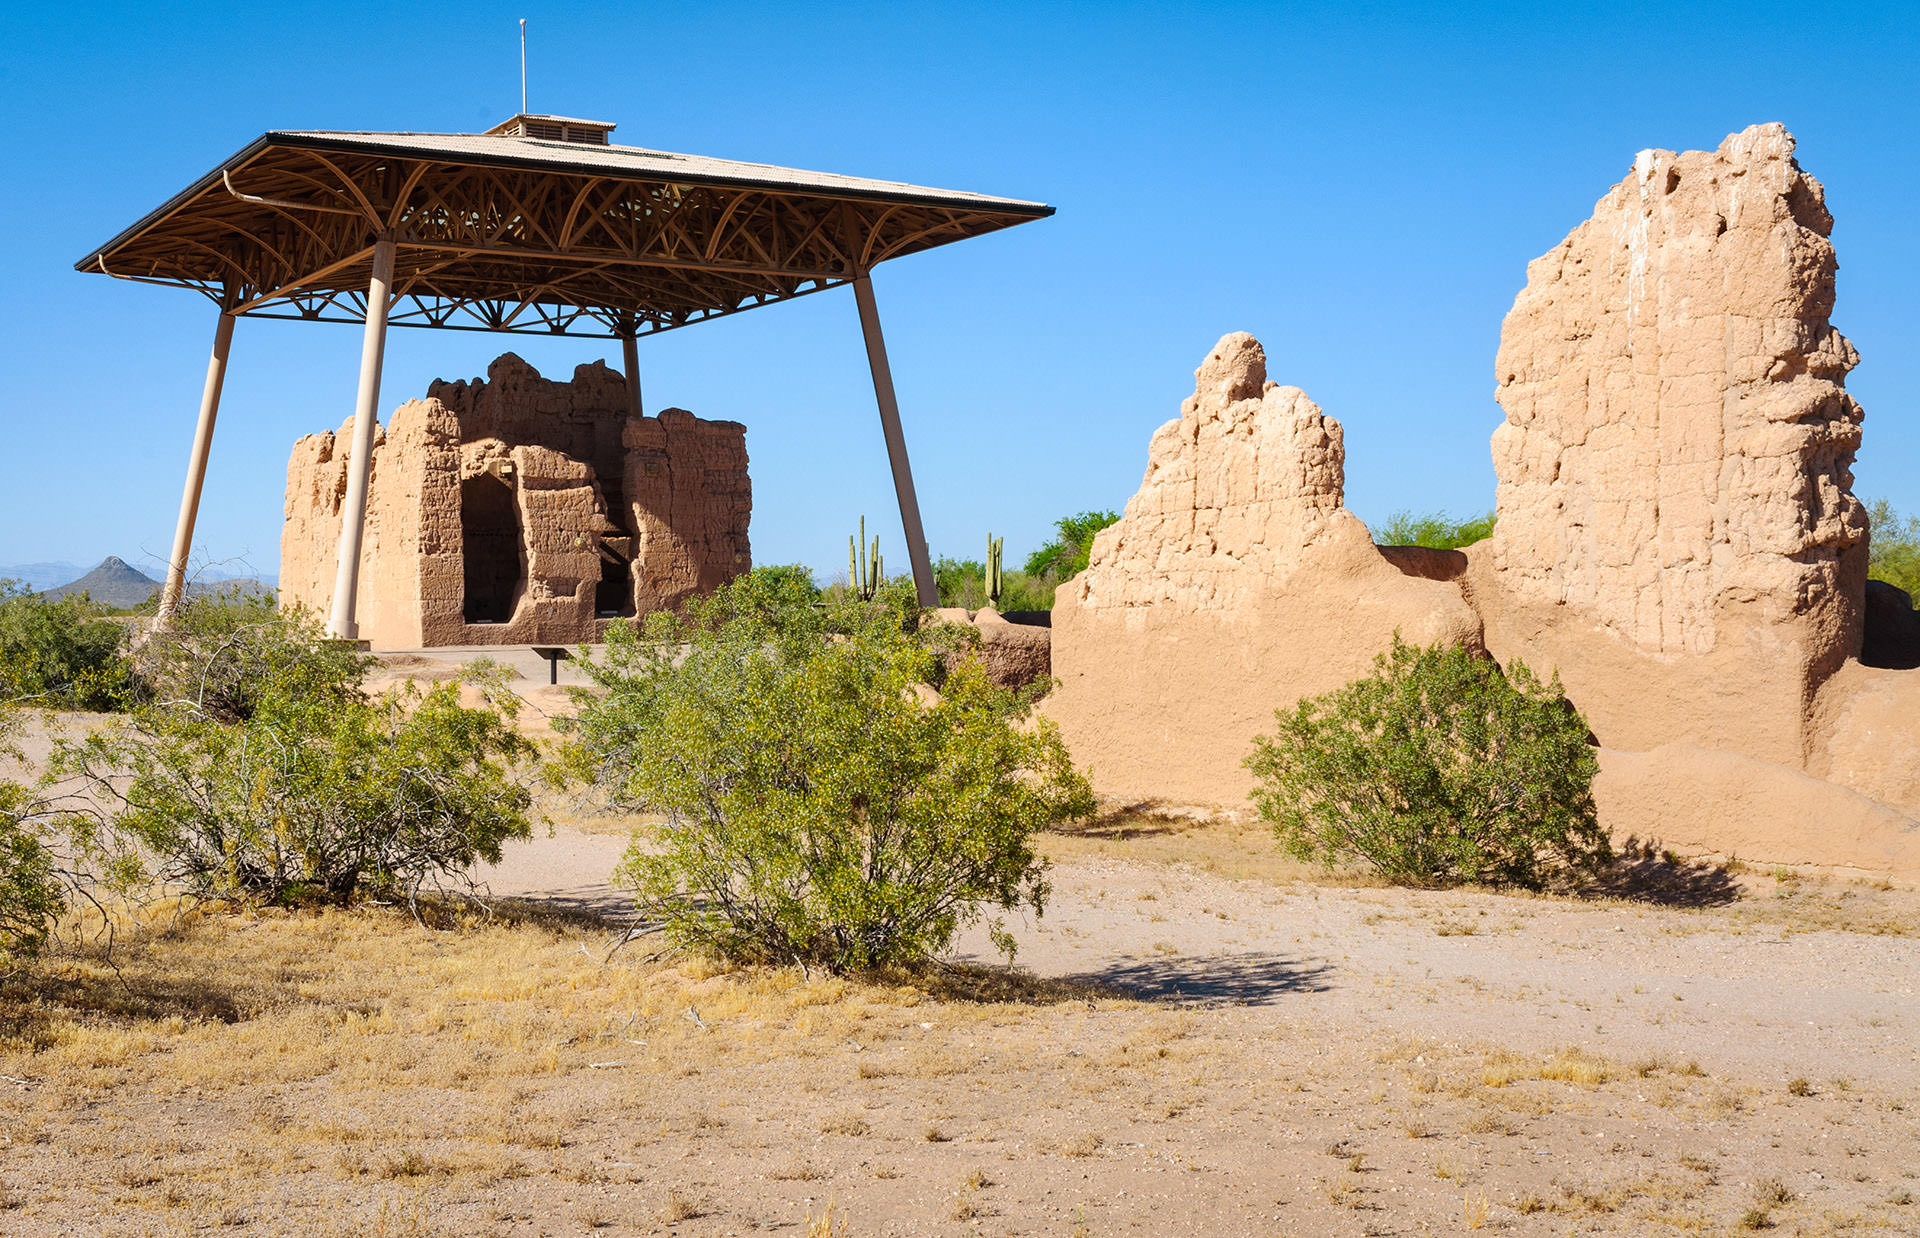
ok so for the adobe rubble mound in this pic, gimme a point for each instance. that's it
(517, 510)
(1677, 539)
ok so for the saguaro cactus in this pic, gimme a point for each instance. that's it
(864, 570)
(994, 580)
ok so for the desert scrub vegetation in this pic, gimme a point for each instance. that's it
(962, 582)
(1434, 530)
(1893, 553)
(818, 801)
(260, 769)
(62, 654)
(1436, 769)
(33, 884)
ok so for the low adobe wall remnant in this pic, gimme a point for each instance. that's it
(1677, 538)
(517, 510)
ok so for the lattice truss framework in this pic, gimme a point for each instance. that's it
(289, 233)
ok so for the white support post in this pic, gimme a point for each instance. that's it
(630, 351)
(196, 472)
(353, 511)
(923, 585)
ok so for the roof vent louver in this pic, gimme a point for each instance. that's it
(554, 129)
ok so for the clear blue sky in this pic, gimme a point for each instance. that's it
(1361, 186)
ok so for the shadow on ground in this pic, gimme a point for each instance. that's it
(1257, 979)
(1646, 873)
(1121, 820)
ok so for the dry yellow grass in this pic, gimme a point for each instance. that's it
(507, 1078)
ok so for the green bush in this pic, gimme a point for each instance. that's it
(1067, 554)
(817, 803)
(963, 582)
(1436, 769)
(1894, 548)
(62, 654)
(32, 887)
(264, 771)
(1437, 530)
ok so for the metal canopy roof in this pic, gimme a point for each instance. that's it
(507, 233)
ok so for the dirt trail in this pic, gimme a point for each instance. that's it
(1740, 994)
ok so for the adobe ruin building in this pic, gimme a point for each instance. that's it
(516, 510)
(1677, 539)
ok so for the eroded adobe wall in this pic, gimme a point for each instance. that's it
(1235, 583)
(547, 467)
(1677, 530)
(1677, 539)
(689, 501)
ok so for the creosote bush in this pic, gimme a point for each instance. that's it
(33, 888)
(61, 654)
(262, 770)
(819, 803)
(1436, 769)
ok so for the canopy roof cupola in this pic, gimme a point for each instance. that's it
(540, 224)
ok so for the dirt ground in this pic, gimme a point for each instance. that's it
(1199, 1038)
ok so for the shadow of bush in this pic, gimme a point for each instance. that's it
(1645, 872)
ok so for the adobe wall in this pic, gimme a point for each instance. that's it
(1677, 539)
(1235, 583)
(567, 493)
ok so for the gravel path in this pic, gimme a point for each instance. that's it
(1772, 999)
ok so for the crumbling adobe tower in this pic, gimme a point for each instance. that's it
(517, 510)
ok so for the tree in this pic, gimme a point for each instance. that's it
(1067, 555)
(818, 802)
(1893, 553)
(1435, 530)
(1436, 769)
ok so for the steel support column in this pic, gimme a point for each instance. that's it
(353, 512)
(923, 584)
(630, 351)
(196, 471)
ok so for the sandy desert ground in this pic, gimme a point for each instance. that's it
(1199, 1037)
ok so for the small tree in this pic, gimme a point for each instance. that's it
(1071, 549)
(1893, 548)
(1435, 530)
(1436, 769)
(819, 803)
(264, 771)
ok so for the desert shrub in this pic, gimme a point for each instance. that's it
(786, 585)
(1893, 553)
(1436, 530)
(1435, 769)
(264, 771)
(221, 652)
(62, 653)
(963, 582)
(32, 887)
(1067, 554)
(816, 801)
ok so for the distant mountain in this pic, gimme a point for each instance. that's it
(114, 583)
(38, 576)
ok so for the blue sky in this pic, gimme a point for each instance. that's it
(1360, 186)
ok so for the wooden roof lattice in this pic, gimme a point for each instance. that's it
(506, 231)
